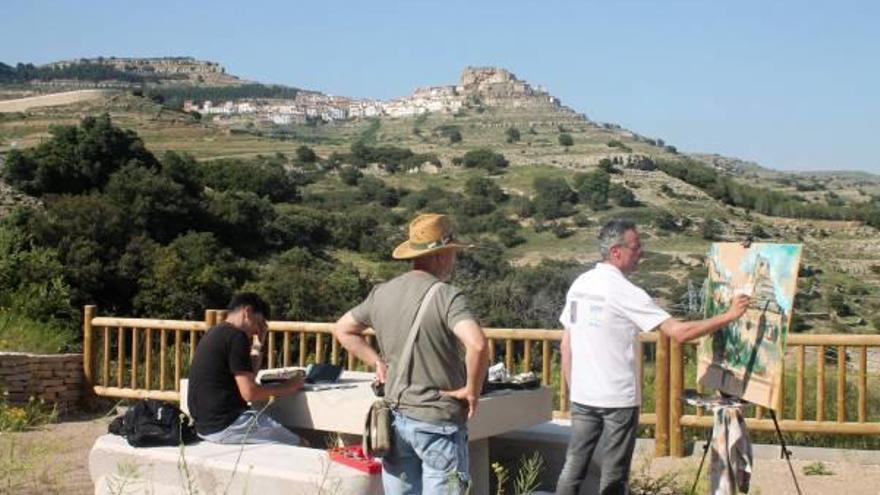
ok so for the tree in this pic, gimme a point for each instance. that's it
(239, 220)
(512, 135)
(350, 175)
(153, 202)
(451, 132)
(553, 197)
(565, 139)
(301, 286)
(593, 188)
(484, 187)
(264, 178)
(523, 206)
(622, 196)
(304, 154)
(32, 278)
(189, 275)
(76, 159)
(711, 230)
(486, 159)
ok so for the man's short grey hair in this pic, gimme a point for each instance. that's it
(612, 234)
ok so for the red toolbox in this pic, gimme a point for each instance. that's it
(353, 456)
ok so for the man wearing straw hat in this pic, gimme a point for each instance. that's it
(433, 389)
(603, 315)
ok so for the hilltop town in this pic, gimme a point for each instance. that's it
(477, 85)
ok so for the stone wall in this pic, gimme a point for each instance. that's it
(55, 378)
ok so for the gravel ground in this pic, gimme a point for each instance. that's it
(54, 460)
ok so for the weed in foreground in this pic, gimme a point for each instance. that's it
(643, 482)
(527, 479)
(817, 468)
(34, 414)
(25, 468)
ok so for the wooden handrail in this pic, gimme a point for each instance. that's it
(111, 321)
(121, 365)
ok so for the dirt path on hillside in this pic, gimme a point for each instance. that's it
(55, 99)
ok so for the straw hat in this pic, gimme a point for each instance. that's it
(428, 234)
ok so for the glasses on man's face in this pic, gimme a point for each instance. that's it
(637, 247)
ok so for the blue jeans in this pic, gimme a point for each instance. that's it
(426, 458)
(587, 424)
(253, 427)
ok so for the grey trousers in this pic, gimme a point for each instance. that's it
(587, 424)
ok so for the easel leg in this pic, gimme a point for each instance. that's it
(785, 452)
(702, 461)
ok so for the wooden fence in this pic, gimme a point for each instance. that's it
(132, 358)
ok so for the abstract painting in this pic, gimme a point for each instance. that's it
(745, 358)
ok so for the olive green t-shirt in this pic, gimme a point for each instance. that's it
(438, 356)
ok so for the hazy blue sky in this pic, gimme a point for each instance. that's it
(790, 84)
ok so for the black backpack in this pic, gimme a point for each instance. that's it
(153, 423)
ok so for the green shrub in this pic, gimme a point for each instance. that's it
(593, 189)
(523, 207)
(615, 143)
(711, 230)
(553, 197)
(485, 159)
(483, 187)
(565, 139)
(19, 333)
(304, 154)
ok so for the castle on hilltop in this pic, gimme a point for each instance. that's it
(478, 85)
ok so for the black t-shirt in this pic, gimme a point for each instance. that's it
(214, 400)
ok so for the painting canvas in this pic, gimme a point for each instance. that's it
(745, 358)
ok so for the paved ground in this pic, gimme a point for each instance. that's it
(55, 461)
(772, 477)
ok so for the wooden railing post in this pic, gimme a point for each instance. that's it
(90, 357)
(676, 387)
(210, 318)
(661, 396)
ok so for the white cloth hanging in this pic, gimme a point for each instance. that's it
(731, 463)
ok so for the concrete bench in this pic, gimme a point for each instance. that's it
(117, 467)
(550, 439)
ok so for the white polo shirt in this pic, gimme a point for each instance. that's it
(604, 312)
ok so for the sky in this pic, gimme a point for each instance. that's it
(791, 85)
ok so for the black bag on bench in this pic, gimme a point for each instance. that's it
(153, 423)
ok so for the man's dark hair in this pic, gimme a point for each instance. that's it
(257, 304)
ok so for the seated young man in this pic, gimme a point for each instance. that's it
(222, 380)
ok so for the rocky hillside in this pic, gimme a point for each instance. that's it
(169, 70)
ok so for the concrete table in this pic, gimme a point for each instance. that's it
(344, 410)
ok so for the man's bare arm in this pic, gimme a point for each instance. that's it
(350, 334)
(683, 331)
(565, 350)
(251, 391)
(257, 351)
(476, 360)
